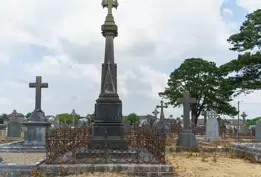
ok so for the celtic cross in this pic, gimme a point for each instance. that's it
(110, 4)
(161, 109)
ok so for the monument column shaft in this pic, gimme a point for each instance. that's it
(186, 115)
(109, 58)
(109, 50)
(38, 94)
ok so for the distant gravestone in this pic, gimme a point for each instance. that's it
(258, 130)
(161, 124)
(212, 127)
(126, 125)
(14, 125)
(243, 129)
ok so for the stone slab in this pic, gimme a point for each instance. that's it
(149, 170)
(14, 170)
(251, 151)
(113, 156)
(20, 147)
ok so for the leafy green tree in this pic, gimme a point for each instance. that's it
(28, 115)
(133, 118)
(204, 81)
(67, 118)
(253, 121)
(247, 66)
(3, 117)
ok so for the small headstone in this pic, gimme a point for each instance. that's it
(212, 127)
(258, 130)
(126, 125)
(14, 126)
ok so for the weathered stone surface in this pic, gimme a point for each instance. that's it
(148, 170)
(35, 132)
(251, 151)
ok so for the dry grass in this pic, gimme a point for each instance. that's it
(211, 165)
(22, 158)
(107, 174)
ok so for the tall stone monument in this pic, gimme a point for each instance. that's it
(37, 125)
(186, 138)
(108, 107)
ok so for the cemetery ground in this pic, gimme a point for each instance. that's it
(186, 164)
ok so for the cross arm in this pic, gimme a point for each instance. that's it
(32, 85)
(180, 100)
(44, 85)
(192, 100)
(113, 3)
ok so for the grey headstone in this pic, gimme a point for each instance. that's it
(126, 124)
(212, 127)
(14, 125)
(258, 130)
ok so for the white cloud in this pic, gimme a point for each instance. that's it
(154, 38)
(249, 5)
(228, 12)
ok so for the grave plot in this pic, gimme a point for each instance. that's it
(217, 164)
(5, 140)
(21, 158)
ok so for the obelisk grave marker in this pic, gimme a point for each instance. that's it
(108, 107)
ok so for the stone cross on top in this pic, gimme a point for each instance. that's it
(243, 115)
(161, 109)
(186, 100)
(14, 113)
(38, 85)
(155, 112)
(110, 4)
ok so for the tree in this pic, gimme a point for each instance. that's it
(204, 81)
(28, 115)
(133, 118)
(253, 121)
(67, 118)
(247, 66)
(3, 117)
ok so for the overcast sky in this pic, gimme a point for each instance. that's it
(61, 41)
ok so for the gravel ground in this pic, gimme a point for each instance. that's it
(22, 158)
